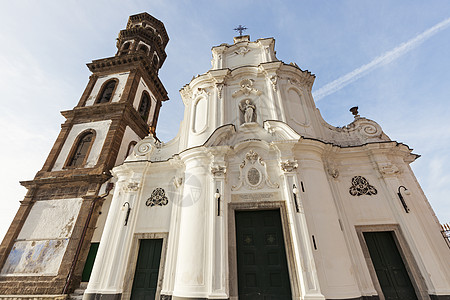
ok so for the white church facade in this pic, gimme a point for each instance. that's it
(257, 197)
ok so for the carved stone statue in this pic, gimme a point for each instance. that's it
(248, 110)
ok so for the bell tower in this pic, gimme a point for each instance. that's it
(45, 248)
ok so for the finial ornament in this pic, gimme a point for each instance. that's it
(240, 29)
(354, 111)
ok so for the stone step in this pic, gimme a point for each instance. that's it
(79, 292)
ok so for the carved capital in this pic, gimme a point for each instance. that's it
(219, 87)
(131, 187)
(274, 81)
(289, 165)
(218, 170)
(333, 172)
(388, 169)
(177, 182)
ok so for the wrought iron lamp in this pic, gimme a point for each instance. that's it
(217, 197)
(407, 192)
(295, 192)
(128, 212)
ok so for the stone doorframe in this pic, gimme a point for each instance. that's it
(232, 254)
(132, 262)
(411, 266)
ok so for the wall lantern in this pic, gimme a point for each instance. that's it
(295, 192)
(128, 212)
(407, 192)
(217, 197)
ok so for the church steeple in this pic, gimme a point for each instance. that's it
(146, 36)
(119, 107)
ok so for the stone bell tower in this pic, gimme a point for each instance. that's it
(45, 248)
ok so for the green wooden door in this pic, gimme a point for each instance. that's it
(146, 276)
(89, 264)
(261, 256)
(389, 267)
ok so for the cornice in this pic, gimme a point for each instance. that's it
(126, 63)
(155, 23)
(108, 111)
(58, 179)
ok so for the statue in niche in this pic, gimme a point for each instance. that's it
(248, 110)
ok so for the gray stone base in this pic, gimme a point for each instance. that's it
(102, 296)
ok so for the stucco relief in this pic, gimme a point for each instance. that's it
(274, 81)
(289, 165)
(388, 169)
(360, 186)
(131, 187)
(219, 87)
(253, 173)
(242, 51)
(147, 145)
(218, 170)
(158, 197)
(333, 172)
(246, 89)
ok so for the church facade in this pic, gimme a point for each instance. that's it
(257, 197)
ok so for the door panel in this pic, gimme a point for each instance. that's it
(389, 267)
(261, 256)
(89, 264)
(145, 280)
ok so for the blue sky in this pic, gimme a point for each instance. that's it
(46, 44)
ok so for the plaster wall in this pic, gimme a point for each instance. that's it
(42, 242)
(122, 77)
(336, 276)
(101, 130)
(243, 56)
(419, 226)
(156, 218)
(100, 225)
(128, 137)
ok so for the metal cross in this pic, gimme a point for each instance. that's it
(240, 29)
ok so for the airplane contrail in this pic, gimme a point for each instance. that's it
(383, 59)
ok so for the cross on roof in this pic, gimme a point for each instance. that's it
(240, 29)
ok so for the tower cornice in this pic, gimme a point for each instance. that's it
(126, 63)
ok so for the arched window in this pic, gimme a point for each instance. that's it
(130, 148)
(143, 48)
(155, 60)
(81, 150)
(107, 92)
(144, 106)
(126, 46)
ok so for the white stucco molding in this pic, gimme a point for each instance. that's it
(144, 148)
(280, 130)
(253, 173)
